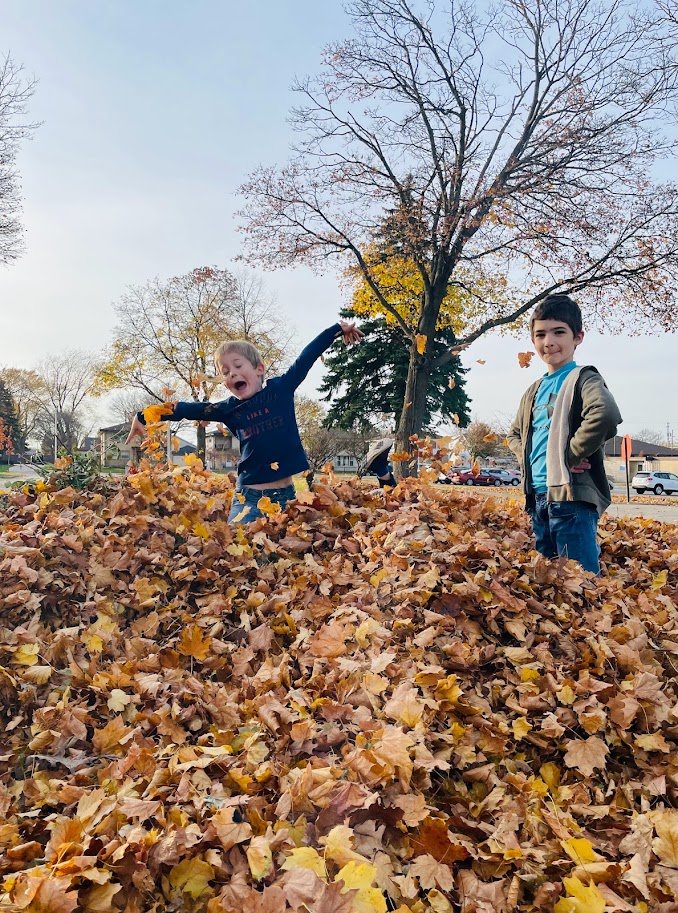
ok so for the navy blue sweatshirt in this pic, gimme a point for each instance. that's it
(265, 424)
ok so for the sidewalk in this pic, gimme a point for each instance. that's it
(666, 513)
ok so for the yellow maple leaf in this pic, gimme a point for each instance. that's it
(26, 655)
(268, 507)
(521, 728)
(156, 413)
(421, 343)
(192, 643)
(659, 580)
(259, 857)
(580, 850)
(339, 846)
(199, 529)
(192, 876)
(582, 898)
(305, 857)
(193, 461)
(360, 877)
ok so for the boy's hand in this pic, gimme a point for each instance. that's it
(137, 430)
(351, 334)
(581, 466)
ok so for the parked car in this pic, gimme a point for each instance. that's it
(482, 478)
(507, 477)
(658, 482)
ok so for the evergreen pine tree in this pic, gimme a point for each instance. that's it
(364, 382)
(10, 421)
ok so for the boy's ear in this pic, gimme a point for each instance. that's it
(579, 338)
(260, 369)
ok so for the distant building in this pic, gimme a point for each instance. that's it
(644, 457)
(345, 462)
(115, 453)
(222, 450)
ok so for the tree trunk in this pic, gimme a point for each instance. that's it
(414, 408)
(202, 442)
(418, 377)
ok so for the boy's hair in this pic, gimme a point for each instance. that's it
(242, 347)
(558, 307)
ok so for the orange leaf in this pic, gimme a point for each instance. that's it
(490, 438)
(192, 643)
(455, 418)
(275, 466)
(475, 469)
(268, 507)
(451, 383)
(524, 359)
(433, 839)
(155, 414)
(400, 457)
(421, 343)
(480, 361)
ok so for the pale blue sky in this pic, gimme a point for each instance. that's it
(153, 114)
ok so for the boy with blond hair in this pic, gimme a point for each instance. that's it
(260, 413)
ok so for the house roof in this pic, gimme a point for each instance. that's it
(121, 426)
(638, 448)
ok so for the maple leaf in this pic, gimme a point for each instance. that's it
(581, 898)
(45, 895)
(665, 844)
(268, 507)
(524, 359)
(259, 857)
(421, 343)
(305, 857)
(451, 383)
(154, 414)
(431, 873)
(360, 877)
(192, 876)
(192, 643)
(275, 465)
(118, 700)
(99, 898)
(586, 755)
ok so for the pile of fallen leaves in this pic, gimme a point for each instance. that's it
(367, 703)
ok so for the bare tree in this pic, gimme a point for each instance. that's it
(651, 436)
(168, 331)
(516, 140)
(15, 91)
(68, 381)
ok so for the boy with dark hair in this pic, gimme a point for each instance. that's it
(260, 413)
(563, 421)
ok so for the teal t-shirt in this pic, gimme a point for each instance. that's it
(542, 411)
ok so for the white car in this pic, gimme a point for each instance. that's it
(505, 476)
(658, 482)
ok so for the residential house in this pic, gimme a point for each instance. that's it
(222, 450)
(115, 453)
(345, 462)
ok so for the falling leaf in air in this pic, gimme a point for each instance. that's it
(421, 343)
(275, 466)
(451, 383)
(524, 359)
(480, 361)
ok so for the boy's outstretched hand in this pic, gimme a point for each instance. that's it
(351, 334)
(137, 430)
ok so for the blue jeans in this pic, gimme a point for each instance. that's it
(252, 496)
(568, 529)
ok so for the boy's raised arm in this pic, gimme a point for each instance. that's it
(297, 372)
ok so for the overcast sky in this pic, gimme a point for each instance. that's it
(153, 114)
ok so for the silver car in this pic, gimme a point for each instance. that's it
(505, 476)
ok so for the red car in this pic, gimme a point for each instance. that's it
(483, 478)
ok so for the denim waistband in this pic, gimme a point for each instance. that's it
(285, 490)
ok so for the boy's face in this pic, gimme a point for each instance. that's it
(555, 343)
(241, 378)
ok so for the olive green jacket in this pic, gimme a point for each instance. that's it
(592, 419)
